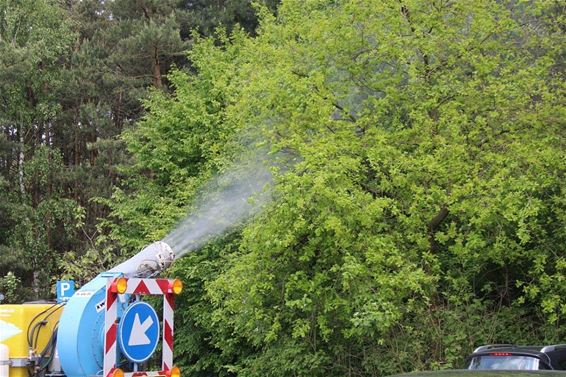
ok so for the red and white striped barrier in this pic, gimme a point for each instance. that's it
(111, 329)
(167, 355)
(115, 286)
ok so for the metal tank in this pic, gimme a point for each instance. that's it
(80, 335)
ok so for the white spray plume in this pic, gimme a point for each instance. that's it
(227, 200)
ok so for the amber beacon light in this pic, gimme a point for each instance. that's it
(174, 372)
(176, 288)
(121, 287)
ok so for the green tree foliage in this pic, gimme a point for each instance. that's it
(176, 146)
(73, 76)
(425, 211)
(9, 286)
(205, 15)
(33, 37)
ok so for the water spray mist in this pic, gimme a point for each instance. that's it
(227, 200)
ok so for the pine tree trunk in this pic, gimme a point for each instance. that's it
(35, 283)
(157, 82)
(21, 161)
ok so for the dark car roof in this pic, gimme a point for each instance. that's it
(515, 348)
(535, 350)
(486, 373)
(520, 348)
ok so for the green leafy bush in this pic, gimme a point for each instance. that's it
(422, 215)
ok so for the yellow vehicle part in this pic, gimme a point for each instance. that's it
(17, 322)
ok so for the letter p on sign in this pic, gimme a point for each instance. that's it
(65, 289)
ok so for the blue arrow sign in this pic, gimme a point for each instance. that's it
(138, 332)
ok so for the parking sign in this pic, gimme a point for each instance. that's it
(65, 289)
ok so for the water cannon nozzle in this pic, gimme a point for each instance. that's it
(149, 262)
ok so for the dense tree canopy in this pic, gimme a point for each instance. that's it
(425, 212)
(418, 205)
(73, 77)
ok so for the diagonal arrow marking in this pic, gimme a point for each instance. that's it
(138, 336)
(8, 330)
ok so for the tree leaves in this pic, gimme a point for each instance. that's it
(422, 184)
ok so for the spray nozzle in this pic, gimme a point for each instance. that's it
(149, 262)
